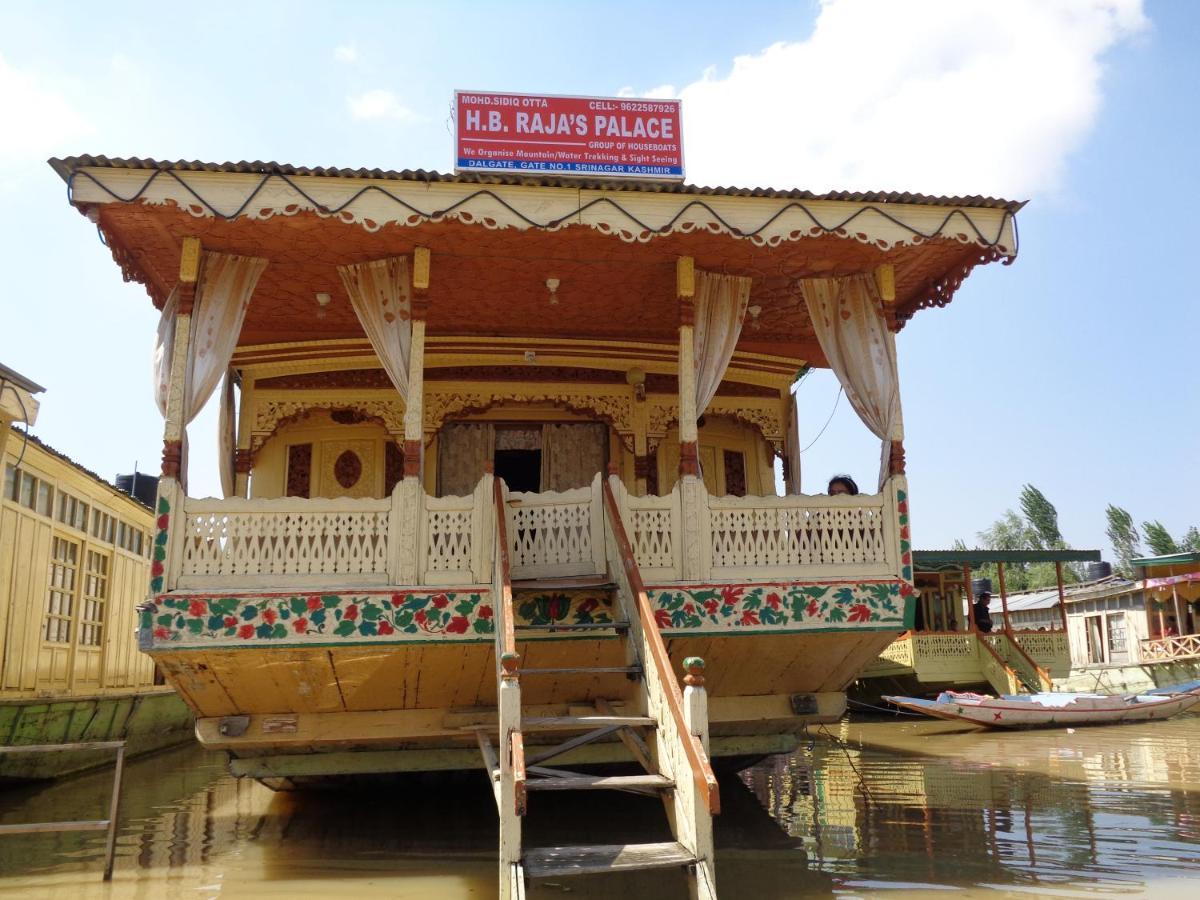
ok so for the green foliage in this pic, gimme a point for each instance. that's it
(1041, 518)
(1159, 539)
(1124, 537)
(1190, 543)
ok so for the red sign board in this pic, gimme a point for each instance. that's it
(545, 135)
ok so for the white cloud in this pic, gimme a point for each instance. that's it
(36, 120)
(937, 96)
(379, 104)
(345, 53)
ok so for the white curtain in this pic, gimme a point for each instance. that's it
(379, 293)
(721, 302)
(223, 294)
(847, 315)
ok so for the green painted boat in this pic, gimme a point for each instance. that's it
(147, 720)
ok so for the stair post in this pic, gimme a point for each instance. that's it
(695, 716)
(511, 804)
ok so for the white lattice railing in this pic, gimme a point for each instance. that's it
(1182, 647)
(556, 533)
(231, 543)
(800, 535)
(453, 537)
(1049, 649)
(653, 526)
(943, 646)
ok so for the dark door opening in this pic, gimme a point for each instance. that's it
(520, 469)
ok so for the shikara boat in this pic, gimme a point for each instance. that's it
(500, 458)
(1053, 709)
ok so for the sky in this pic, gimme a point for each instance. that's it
(1074, 369)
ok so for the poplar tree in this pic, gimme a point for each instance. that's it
(1124, 537)
(1042, 518)
(1159, 539)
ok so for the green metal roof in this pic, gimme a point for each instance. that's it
(1171, 559)
(937, 559)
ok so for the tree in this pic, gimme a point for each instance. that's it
(1124, 537)
(1159, 539)
(1190, 543)
(1042, 518)
(1009, 532)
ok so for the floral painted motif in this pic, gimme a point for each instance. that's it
(318, 618)
(158, 559)
(570, 607)
(783, 607)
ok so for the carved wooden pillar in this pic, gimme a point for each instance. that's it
(172, 486)
(243, 459)
(414, 410)
(689, 461)
(691, 489)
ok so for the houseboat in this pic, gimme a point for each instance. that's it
(498, 459)
(1021, 646)
(1134, 635)
(74, 566)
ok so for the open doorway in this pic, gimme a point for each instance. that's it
(520, 469)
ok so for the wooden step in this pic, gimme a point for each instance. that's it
(543, 862)
(579, 782)
(565, 583)
(584, 723)
(580, 626)
(593, 670)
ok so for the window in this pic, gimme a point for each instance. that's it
(45, 499)
(95, 596)
(72, 511)
(60, 600)
(28, 490)
(103, 526)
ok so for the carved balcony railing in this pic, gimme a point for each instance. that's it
(230, 543)
(693, 536)
(410, 538)
(1165, 649)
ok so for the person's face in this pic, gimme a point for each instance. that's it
(838, 487)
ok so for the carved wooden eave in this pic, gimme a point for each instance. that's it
(911, 232)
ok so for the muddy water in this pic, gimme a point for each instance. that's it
(896, 808)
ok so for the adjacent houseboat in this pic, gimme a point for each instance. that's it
(74, 566)
(498, 456)
(1018, 646)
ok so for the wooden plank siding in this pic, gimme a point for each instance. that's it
(109, 573)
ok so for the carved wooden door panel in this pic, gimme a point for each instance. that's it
(349, 468)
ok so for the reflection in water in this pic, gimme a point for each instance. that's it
(870, 806)
(1054, 812)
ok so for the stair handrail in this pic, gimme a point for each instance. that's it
(1043, 676)
(1009, 673)
(506, 637)
(508, 661)
(698, 762)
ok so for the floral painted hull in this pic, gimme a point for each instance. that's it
(405, 616)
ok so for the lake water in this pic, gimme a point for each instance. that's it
(895, 808)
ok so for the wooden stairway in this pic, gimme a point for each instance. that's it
(665, 731)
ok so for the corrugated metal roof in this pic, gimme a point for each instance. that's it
(932, 559)
(1048, 597)
(67, 165)
(1170, 559)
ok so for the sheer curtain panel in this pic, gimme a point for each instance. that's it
(381, 296)
(847, 315)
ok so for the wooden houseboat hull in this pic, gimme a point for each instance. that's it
(147, 720)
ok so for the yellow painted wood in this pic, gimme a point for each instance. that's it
(30, 664)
